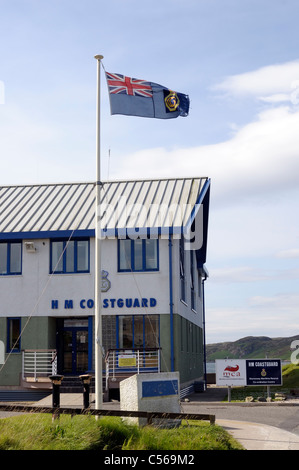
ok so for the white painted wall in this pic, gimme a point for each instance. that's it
(32, 293)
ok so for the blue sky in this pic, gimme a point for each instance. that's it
(239, 63)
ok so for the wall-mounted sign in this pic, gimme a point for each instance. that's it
(134, 303)
(127, 360)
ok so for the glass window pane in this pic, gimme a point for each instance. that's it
(3, 258)
(138, 331)
(138, 264)
(14, 334)
(125, 332)
(82, 255)
(57, 258)
(151, 250)
(151, 333)
(70, 266)
(15, 257)
(124, 255)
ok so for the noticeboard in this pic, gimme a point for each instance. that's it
(263, 372)
(230, 372)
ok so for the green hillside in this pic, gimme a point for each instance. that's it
(252, 347)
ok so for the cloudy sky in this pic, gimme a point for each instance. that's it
(239, 63)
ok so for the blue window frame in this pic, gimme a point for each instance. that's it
(137, 331)
(69, 256)
(10, 258)
(138, 255)
(13, 335)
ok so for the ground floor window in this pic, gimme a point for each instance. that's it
(13, 334)
(138, 331)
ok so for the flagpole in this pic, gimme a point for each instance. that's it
(98, 271)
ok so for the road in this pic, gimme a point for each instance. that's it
(284, 416)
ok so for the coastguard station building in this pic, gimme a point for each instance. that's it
(153, 254)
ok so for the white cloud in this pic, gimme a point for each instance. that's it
(273, 83)
(261, 158)
(278, 303)
(272, 317)
(291, 253)
(231, 275)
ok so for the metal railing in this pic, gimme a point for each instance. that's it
(39, 363)
(123, 362)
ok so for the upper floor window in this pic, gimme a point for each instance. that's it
(69, 256)
(10, 258)
(138, 255)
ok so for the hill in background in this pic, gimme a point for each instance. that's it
(252, 347)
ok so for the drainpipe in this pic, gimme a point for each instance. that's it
(204, 330)
(171, 304)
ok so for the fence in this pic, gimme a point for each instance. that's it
(149, 415)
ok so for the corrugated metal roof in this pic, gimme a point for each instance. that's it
(124, 204)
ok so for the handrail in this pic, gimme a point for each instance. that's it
(122, 362)
(130, 349)
(39, 362)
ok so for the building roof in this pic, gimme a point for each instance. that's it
(64, 208)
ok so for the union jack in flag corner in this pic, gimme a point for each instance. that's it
(135, 97)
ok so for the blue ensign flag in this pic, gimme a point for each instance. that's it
(135, 97)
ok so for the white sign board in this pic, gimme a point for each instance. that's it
(230, 372)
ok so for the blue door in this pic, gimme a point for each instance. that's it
(75, 350)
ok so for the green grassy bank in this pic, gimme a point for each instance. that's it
(38, 432)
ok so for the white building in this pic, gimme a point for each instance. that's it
(153, 254)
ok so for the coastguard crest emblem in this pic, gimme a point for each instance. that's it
(172, 101)
(106, 284)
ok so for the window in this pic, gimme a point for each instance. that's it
(10, 258)
(182, 270)
(13, 335)
(138, 255)
(69, 256)
(192, 278)
(138, 331)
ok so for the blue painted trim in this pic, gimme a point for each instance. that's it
(160, 388)
(171, 306)
(47, 234)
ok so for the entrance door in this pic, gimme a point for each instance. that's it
(75, 350)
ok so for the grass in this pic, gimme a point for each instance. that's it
(38, 432)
